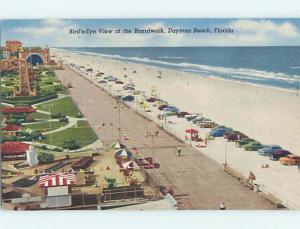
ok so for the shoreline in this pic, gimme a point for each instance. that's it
(240, 82)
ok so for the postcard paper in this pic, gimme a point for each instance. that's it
(150, 114)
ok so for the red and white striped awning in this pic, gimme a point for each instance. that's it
(57, 179)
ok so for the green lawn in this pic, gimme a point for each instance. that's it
(45, 126)
(65, 105)
(83, 134)
(38, 115)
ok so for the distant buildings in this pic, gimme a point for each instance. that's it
(13, 45)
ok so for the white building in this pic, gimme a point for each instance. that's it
(32, 156)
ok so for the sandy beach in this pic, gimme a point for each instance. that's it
(269, 115)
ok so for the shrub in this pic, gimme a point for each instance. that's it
(58, 149)
(58, 115)
(45, 158)
(65, 120)
(13, 121)
(71, 144)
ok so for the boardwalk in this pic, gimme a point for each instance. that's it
(198, 181)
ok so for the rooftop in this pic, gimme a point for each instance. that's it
(8, 110)
(12, 127)
(14, 147)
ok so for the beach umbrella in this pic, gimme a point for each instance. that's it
(192, 132)
(118, 145)
(123, 153)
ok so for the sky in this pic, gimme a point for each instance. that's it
(246, 32)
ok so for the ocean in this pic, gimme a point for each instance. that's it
(268, 66)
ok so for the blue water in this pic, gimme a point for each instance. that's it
(270, 66)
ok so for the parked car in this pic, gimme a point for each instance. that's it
(171, 109)
(119, 82)
(126, 87)
(277, 154)
(207, 124)
(219, 131)
(161, 107)
(128, 98)
(151, 100)
(268, 150)
(290, 159)
(245, 141)
(182, 114)
(235, 136)
(199, 120)
(253, 146)
(191, 117)
(102, 81)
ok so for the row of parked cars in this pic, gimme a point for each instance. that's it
(274, 152)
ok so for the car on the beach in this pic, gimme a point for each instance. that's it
(253, 146)
(245, 141)
(199, 120)
(182, 114)
(119, 82)
(100, 74)
(290, 159)
(102, 81)
(268, 150)
(276, 155)
(171, 109)
(233, 136)
(151, 100)
(127, 87)
(219, 131)
(207, 124)
(128, 98)
(190, 117)
(161, 107)
(110, 78)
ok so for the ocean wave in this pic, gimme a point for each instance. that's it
(240, 74)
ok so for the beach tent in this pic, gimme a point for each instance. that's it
(131, 165)
(118, 145)
(123, 153)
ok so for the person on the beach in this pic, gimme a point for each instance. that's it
(222, 206)
(179, 150)
(205, 141)
(251, 177)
